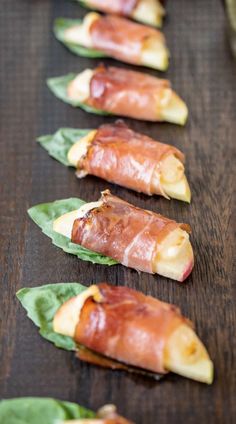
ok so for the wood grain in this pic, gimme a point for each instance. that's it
(203, 71)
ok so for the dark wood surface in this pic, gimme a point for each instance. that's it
(203, 71)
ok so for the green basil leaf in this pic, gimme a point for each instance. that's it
(60, 26)
(41, 304)
(59, 144)
(33, 410)
(45, 213)
(59, 85)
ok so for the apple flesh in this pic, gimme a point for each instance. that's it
(150, 12)
(80, 34)
(155, 54)
(173, 180)
(80, 148)
(64, 224)
(173, 109)
(68, 315)
(174, 258)
(184, 353)
(79, 88)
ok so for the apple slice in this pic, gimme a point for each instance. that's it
(80, 34)
(170, 178)
(155, 54)
(186, 355)
(174, 258)
(150, 12)
(64, 223)
(173, 180)
(179, 190)
(80, 148)
(79, 88)
(173, 108)
(67, 316)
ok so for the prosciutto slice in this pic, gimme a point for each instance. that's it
(127, 93)
(124, 232)
(122, 156)
(121, 7)
(121, 38)
(128, 326)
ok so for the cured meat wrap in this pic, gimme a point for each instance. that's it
(134, 237)
(115, 37)
(117, 154)
(133, 329)
(150, 12)
(117, 91)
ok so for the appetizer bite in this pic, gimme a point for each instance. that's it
(117, 154)
(111, 321)
(134, 237)
(27, 410)
(150, 12)
(115, 37)
(121, 92)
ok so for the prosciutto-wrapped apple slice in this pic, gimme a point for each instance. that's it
(121, 92)
(116, 37)
(105, 415)
(134, 237)
(134, 329)
(36, 410)
(150, 12)
(117, 154)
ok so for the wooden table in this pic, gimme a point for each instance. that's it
(202, 70)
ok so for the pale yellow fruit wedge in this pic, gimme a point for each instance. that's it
(173, 109)
(173, 180)
(186, 355)
(155, 54)
(68, 315)
(79, 88)
(150, 12)
(80, 34)
(64, 224)
(172, 169)
(174, 258)
(80, 148)
(179, 190)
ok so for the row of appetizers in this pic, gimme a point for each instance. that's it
(104, 324)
